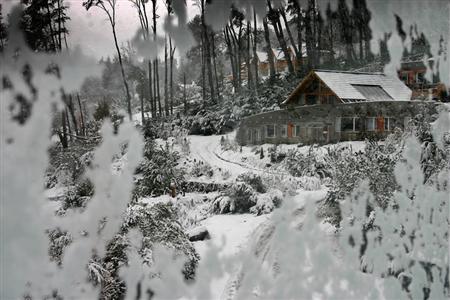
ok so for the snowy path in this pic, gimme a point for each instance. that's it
(206, 149)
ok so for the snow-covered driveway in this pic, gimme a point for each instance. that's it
(205, 148)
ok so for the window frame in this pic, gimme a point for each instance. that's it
(374, 124)
(285, 129)
(267, 130)
(354, 122)
(296, 132)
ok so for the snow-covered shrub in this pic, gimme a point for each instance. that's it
(254, 180)
(267, 202)
(376, 164)
(59, 240)
(159, 169)
(310, 164)
(201, 168)
(276, 156)
(159, 225)
(77, 196)
(309, 183)
(238, 198)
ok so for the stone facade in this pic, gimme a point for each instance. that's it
(329, 123)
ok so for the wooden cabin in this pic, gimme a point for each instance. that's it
(332, 106)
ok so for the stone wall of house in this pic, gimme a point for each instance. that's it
(323, 123)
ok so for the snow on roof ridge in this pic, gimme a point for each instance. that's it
(349, 72)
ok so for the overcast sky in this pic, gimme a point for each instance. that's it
(91, 29)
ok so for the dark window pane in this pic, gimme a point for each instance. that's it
(347, 124)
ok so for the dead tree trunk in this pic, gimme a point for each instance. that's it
(269, 51)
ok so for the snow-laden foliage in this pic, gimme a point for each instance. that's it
(159, 170)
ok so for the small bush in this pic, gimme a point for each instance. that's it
(253, 180)
(201, 168)
(238, 198)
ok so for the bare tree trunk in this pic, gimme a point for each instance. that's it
(299, 35)
(71, 108)
(288, 30)
(63, 135)
(309, 41)
(237, 43)
(255, 55)
(150, 86)
(202, 48)
(83, 124)
(231, 55)
(247, 59)
(166, 93)
(155, 95)
(157, 87)
(213, 49)
(142, 106)
(122, 70)
(207, 53)
(172, 52)
(68, 121)
(269, 49)
(154, 19)
(184, 94)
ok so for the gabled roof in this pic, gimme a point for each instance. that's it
(360, 87)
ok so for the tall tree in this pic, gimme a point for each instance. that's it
(269, 51)
(207, 49)
(158, 94)
(109, 8)
(288, 30)
(346, 27)
(83, 123)
(214, 57)
(296, 12)
(166, 91)
(274, 18)
(171, 56)
(247, 58)
(255, 44)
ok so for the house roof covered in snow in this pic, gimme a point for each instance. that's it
(358, 87)
(262, 56)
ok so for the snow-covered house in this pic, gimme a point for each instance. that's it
(331, 106)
